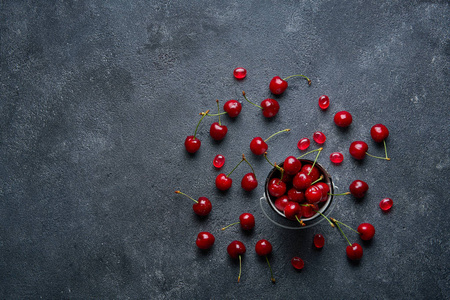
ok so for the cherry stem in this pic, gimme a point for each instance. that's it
(315, 160)
(235, 167)
(245, 159)
(326, 218)
(179, 192)
(218, 111)
(336, 221)
(284, 130)
(275, 166)
(243, 94)
(342, 194)
(219, 114)
(320, 149)
(385, 150)
(299, 75)
(240, 268)
(379, 157)
(339, 227)
(203, 115)
(319, 179)
(230, 225)
(270, 268)
(300, 221)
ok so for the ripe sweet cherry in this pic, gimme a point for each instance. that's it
(379, 133)
(264, 248)
(358, 150)
(235, 250)
(324, 102)
(239, 73)
(366, 231)
(192, 143)
(269, 106)
(246, 220)
(205, 240)
(249, 182)
(354, 251)
(358, 188)
(218, 131)
(292, 165)
(233, 108)
(277, 85)
(259, 146)
(343, 118)
(281, 202)
(202, 206)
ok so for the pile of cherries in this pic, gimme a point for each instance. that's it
(298, 189)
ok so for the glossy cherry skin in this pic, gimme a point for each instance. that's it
(263, 247)
(319, 241)
(295, 195)
(270, 107)
(277, 85)
(297, 263)
(192, 144)
(239, 73)
(202, 207)
(303, 144)
(325, 189)
(319, 137)
(358, 188)
(281, 202)
(235, 249)
(233, 108)
(258, 146)
(249, 182)
(302, 181)
(336, 157)
(292, 165)
(315, 174)
(379, 133)
(218, 132)
(386, 204)
(358, 149)
(313, 194)
(247, 221)
(205, 240)
(354, 252)
(366, 231)
(308, 211)
(223, 182)
(324, 102)
(219, 161)
(343, 118)
(276, 187)
(291, 210)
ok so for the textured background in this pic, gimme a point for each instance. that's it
(97, 97)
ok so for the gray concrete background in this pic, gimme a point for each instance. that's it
(97, 97)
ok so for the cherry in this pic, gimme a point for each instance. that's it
(319, 241)
(343, 118)
(303, 144)
(233, 108)
(217, 131)
(276, 187)
(202, 206)
(269, 106)
(295, 195)
(205, 240)
(312, 171)
(246, 220)
(281, 202)
(264, 248)
(302, 181)
(386, 204)
(292, 165)
(319, 137)
(297, 263)
(219, 161)
(239, 73)
(313, 194)
(235, 250)
(291, 210)
(324, 102)
(259, 146)
(336, 157)
(325, 189)
(249, 182)
(223, 182)
(366, 231)
(354, 251)
(309, 210)
(358, 149)
(277, 85)
(379, 133)
(358, 188)
(192, 143)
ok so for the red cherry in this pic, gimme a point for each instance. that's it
(219, 161)
(309, 210)
(297, 263)
(235, 249)
(239, 73)
(291, 210)
(379, 133)
(366, 231)
(276, 187)
(354, 251)
(277, 85)
(292, 165)
(247, 221)
(201, 207)
(319, 241)
(223, 182)
(313, 194)
(302, 181)
(303, 144)
(315, 174)
(386, 204)
(281, 202)
(263, 247)
(217, 131)
(358, 149)
(295, 195)
(358, 188)
(249, 182)
(258, 146)
(343, 118)
(192, 144)
(319, 137)
(325, 189)
(270, 107)
(233, 108)
(324, 102)
(205, 240)
(336, 157)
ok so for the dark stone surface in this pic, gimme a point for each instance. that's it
(97, 97)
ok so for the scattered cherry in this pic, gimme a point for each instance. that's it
(264, 248)
(249, 182)
(219, 161)
(239, 73)
(246, 220)
(233, 108)
(269, 106)
(202, 206)
(366, 231)
(277, 85)
(379, 133)
(358, 188)
(319, 137)
(358, 149)
(192, 143)
(297, 263)
(354, 251)
(386, 204)
(205, 240)
(217, 131)
(343, 118)
(235, 250)
(259, 146)
(224, 182)
(303, 144)
(324, 102)
(319, 241)
(336, 157)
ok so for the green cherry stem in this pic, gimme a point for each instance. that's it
(245, 97)
(339, 227)
(300, 221)
(240, 268)
(299, 75)
(275, 166)
(245, 159)
(203, 114)
(336, 221)
(341, 194)
(236, 166)
(315, 160)
(284, 130)
(385, 150)
(270, 268)
(325, 217)
(230, 225)
(319, 179)
(320, 149)
(181, 193)
(218, 111)
(379, 157)
(219, 114)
